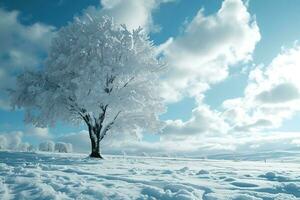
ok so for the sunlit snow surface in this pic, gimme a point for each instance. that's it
(74, 176)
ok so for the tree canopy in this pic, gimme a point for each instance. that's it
(96, 72)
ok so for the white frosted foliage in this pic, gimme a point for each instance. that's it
(63, 147)
(97, 73)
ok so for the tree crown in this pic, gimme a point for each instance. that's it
(94, 66)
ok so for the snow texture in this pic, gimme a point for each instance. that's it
(29, 175)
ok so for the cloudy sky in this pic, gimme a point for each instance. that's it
(233, 71)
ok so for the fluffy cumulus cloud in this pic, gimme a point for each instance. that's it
(37, 133)
(204, 121)
(132, 13)
(201, 55)
(272, 94)
(22, 47)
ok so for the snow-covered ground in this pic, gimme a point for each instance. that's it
(74, 176)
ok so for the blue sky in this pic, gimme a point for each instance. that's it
(265, 28)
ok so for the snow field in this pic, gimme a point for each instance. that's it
(74, 176)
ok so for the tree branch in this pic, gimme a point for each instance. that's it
(128, 82)
(102, 115)
(109, 83)
(108, 126)
(74, 107)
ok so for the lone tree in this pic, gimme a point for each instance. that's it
(97, 73)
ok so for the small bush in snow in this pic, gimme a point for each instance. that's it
(47, 146)
(63, 147)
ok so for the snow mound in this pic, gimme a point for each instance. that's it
(184, 169)
(171, 192)
(292, 188)
(270, 175)
(202, 171)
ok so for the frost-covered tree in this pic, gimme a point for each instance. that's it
(97, 73)
(63, 147)
(24, 146)
(47, 146)
(31, 148)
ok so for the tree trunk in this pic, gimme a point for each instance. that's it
(95, 143)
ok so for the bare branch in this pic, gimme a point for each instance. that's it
(89, 92)
(82, 112)
(102, 115)
(128, 82)
(108, 126)
(109, 83)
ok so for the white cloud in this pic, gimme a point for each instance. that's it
(278, 94)
(271, 96)
(132, 13)
(204, 121)
(208, 46)
(200, 57)
(22, 47)
(37, 133)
